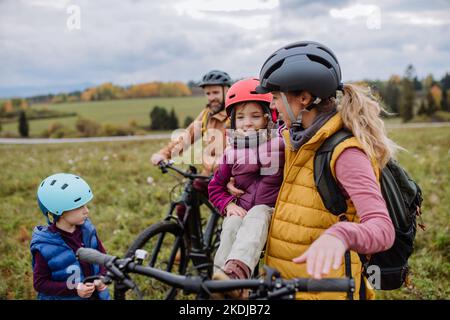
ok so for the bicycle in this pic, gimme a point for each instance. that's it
(180, 233)
(269, 288)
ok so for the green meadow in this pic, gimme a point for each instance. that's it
(130, 194)
(114, 112)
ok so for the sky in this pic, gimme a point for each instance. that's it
(58, 45)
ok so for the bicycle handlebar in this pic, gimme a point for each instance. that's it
(274, 286)
(93, 256)
(190, 175)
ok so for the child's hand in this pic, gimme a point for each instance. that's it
(100, 285)
(234, 210)
(233, 190)
(85, 290)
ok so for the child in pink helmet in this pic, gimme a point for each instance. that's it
(254, 157)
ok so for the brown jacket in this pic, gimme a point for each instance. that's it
(212, 146)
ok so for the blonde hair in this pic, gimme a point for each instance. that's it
(360, 112)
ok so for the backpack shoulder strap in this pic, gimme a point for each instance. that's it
(205, 119)
(329, 191)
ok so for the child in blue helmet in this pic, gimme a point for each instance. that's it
(57, 274)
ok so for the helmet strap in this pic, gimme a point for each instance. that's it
(233, 119)
(288, 108)
(223, 98)
(48, 219)
(296, 122)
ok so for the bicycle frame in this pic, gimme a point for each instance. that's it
(200, 242)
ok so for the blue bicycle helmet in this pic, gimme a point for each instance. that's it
(62, 192)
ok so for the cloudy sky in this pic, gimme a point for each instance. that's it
(44, 47)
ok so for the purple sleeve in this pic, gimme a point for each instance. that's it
(375, 232)
(42, 279)
(217, 188)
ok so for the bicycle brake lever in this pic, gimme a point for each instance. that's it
(162, 166)
(114, 271)
(107, 279)
(271, 273)
(118, 274)
(192, 169)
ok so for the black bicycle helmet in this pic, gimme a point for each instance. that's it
(215, 77)
(304, 65)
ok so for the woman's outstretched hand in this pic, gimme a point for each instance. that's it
(326, 252)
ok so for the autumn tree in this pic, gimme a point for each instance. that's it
(24, 105)
(431, 104)
(8, 106)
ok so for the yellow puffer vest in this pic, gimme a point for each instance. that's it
(300, 216)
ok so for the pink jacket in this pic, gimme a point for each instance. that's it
(257, 171)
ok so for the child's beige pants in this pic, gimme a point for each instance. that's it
(243, 238)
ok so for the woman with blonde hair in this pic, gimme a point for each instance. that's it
(305, 239)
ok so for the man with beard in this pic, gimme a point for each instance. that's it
(210, 125)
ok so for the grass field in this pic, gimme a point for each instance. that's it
(115, 112)
(124, 202)
(121, 112)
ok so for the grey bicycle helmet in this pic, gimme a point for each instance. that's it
(215, 77)
(304, 65)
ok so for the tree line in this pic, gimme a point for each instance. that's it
(160, 119)
(405, 96)
(110, 91)
(408, 96)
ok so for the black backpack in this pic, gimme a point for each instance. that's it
(403, 199)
